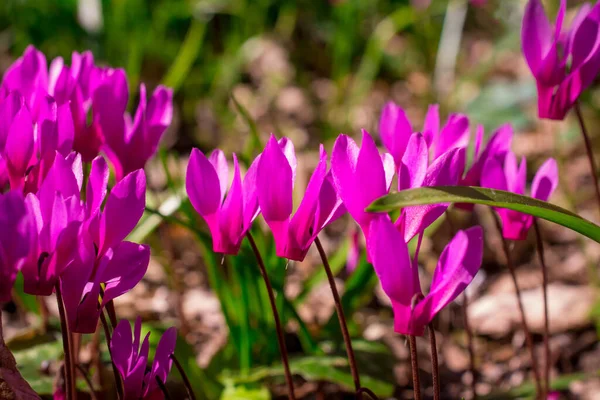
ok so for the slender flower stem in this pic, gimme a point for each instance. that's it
(470, 344)
(66, 335)
(540, 251)
(341, 317)
(435, 370)
(112, 314)
(163, 388)
(87, 380)
(468, 331)
(186, 381)
(414, 362)
(368, 392)
(590, 152)
(280, 335)
(108, 337)
(528, 339)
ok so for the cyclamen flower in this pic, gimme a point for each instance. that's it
(206, 183)
(105, 265)
(563, 62)
(131, 360)
(130, 143)
(361, 175)
(396, 130)
(15, 239)
(320, 205)
(415, 172)
(58, 214)
(512, 178)
(457, 266)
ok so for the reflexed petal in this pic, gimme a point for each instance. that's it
(125, 269)
(536, 35)
(219, 162)
(414, 163)
(19, 145)
(124, 208)
(395, 130)
(545, 180)
(231, 218)
(453, 135)
(97, 184)
(161, 366)
(202, 184)
(431, 127)
(274, 181)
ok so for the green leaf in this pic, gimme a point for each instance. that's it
(245, 393)
(489, 197)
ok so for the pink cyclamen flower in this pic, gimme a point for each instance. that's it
(396, 130)
(105, 265)
(130, 143)
(15, 239)
(274, 185)
(512, 177)
(206, 183)
(563, 62)
(415, 171)
(361, 175)
(58, 214)
(131, 360)
(457, 266)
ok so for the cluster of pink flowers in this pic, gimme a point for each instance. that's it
(359, 175)
(62, 227)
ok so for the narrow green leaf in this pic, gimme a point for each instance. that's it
(189, 51)
(489, 197)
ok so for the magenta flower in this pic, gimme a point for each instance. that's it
(15, 239)
(130, 143)
(206, 183)
(105, 265)
(563, 62)
(511, 177)
(28, 75)
(361, 175)
(131, 360)
(320, 205)
(415, 172)
(396, 130)
(457, 266)
(58, 214)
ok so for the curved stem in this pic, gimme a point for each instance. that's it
(87, 380)
(414, 362)
(186, 381)
(588, 149)
(528, 339)
(112, 314)
(279, 329)
(66, 336)
(435, 370)
(163, 388)
(540, 251)
(470, 344)
(341, 317)
(107, 335)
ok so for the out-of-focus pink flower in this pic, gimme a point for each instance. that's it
(361, 175)
(206, 183)
(512, 177)
(131, 359)
(457, 266)
(105, 265)
(15, 239)
(130, 143)
(563, 62)
(274, 185)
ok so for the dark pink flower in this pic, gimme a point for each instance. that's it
(361, 176)
(105, 265)
(512, 177)
(15, 239)
(457, 266)
(563, 62)
(274, 186)
(131, 360)
(130, 143)
(228, 218)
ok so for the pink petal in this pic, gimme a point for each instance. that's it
(203, 185)
(395, 130)
(231, 218)
(125, 269)
(219, 162)
(545, 180)
(274, 183)
(19, 146)
(414, 163)
(97, 185)
(431, 127)
(536, 35)
(454, 134)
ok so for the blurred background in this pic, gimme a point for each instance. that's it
(309, 70)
